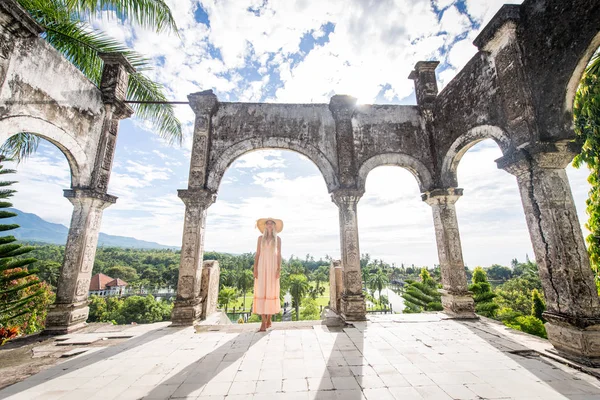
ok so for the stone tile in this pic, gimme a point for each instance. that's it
(268, 386)
(384, 369)
(322, 395)
(407, 368)
(363, 370)
(418, 379)
(432, 393)
(216, 388)
(319, 384)
(159, 392)
(345, 383)
(339, 371)
(243, 387)
(486, 391)
(453, 378)
(270, 374)
(370, 382)
(394, 380)
(378, 394)
(187, 390)
(295, 385)
(461, 392)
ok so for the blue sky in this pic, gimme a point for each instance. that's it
(303, 51)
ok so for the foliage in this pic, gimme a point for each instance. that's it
(498, 273)
(23, 297)
(422, 296)
(128, 274)
(254, 318)
(310, 309)
(378, 281)
(586, 112)
(538, 307)
(67, 28)
(138, 309)
(227, 295)
(483, 294)
(298, 288)
(528, 324)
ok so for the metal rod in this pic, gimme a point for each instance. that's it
(156, 102)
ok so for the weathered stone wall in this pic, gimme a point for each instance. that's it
(43, 93)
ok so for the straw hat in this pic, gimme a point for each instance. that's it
(260, 224)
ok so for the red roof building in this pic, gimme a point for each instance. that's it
(104, 285)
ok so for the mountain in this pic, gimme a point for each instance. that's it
(34, 229)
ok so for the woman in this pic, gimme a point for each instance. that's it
(267, 268)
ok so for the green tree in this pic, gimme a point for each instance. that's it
(378, 281)
(586, 112)
(538, 307)
(227, 295)
(422, 296)
(483, 294)
(298, 287)
(321, 274)
(23, 298)
(244, 281)
(126, 273)
(49, 271)
(310, 309)
(498, 273)
(67, 29)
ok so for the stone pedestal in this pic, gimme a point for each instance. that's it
(209, 287)
(336, 285)
(456, 298)
(353, 307)
(70, 309)
(188, 307)
(572, 304)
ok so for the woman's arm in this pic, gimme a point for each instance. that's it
(256, 257)
(278, 256)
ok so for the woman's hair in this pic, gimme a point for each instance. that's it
(267, 237)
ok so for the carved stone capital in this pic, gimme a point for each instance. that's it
(342, 107)
(541, 155)
(197, 197)
(95, 198)
(438, 196)
(115, 78)
(425, 82)
(203, 103)
(345, 197)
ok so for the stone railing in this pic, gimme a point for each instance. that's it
(336, 285)
(209, 287)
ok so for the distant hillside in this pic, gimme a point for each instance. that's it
(35, 229)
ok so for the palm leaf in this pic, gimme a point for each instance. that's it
(151, 14)
(20, 146)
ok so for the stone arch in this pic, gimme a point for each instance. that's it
(227, 157)
(463, 143)
(66, 143)
(413, 165)
(578, 73)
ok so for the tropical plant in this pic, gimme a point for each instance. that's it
(422, 296)
(378, 281)
(310, 309)
(321, 274)
(483, 294)
(298, 287)
(67, 28)
(244, 280)
(227, 295)
(23, 297)
(586, 112)
(538, 307)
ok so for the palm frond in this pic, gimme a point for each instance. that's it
(20, 146)
(152, 14)
(162, 116)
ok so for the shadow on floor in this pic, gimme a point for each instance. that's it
(85, 361)
(548, 372)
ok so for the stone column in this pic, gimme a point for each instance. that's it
(188, 307)
(572, 304)
(353, 301)
(456, 298)
(70, 310)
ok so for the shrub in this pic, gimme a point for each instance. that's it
(528, 324)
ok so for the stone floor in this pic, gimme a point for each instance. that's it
(389, 357)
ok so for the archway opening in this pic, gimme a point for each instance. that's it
(396, 235)
(280, 184)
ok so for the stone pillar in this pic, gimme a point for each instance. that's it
(426, 89)
(352, 303)
(456, 298)
(342, 108)
(188, 307)
(204, 104)
(209, 287)
(70, 310)
(572, 304)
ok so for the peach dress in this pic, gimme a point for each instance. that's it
(266, 286)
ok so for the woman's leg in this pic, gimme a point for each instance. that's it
(263, 325)
(269, 321)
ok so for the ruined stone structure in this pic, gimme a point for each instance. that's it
(517, 90)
